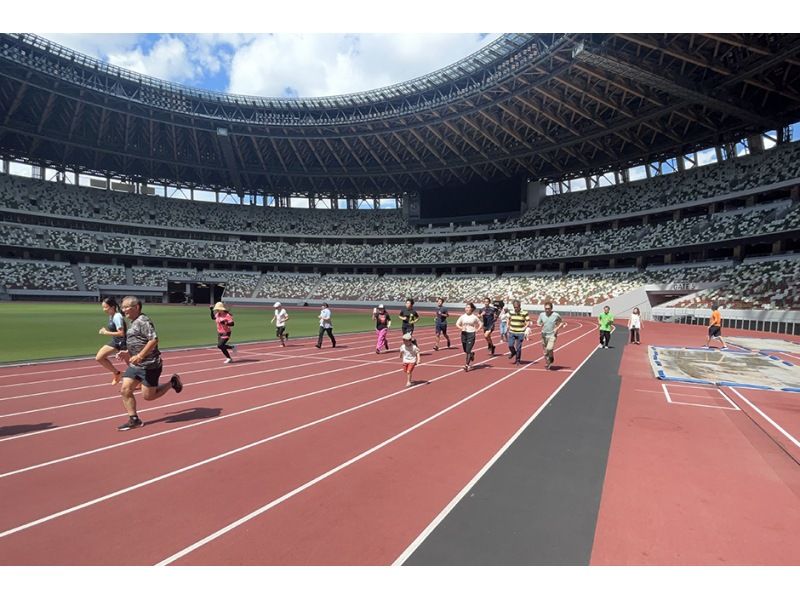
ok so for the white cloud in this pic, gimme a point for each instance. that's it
(167, 59)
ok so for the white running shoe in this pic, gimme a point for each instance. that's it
(229, 360)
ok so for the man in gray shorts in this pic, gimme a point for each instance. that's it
(144, 362)
(550, 323)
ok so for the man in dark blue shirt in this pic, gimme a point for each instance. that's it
(440, 320)
(489, 313)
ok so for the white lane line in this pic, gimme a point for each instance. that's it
(313, 357)
(772, 422)
(458, 497)
(246, 447)
(348, 463)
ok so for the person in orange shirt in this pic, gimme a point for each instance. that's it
(715, 327)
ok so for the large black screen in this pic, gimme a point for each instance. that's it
(494, 197)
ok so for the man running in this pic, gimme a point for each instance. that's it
(518, 323)
(550, 323)
(325, 326)
(144, 362)
(280, 318)
(605, 323)
(409, 316)
(489, 315)
(440, 322)
(383, 321)
(715, 327)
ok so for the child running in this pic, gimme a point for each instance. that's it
(224, 321)
(469, 324)
(411, 357)
(116, 330)
(383, 321)
(280, 318)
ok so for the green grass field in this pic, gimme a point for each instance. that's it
(34, 331)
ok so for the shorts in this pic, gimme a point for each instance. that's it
(714, 331)
(441, 327)
(408, 328)
(148, 377)
(548, 341)
(488, 328)
(409, 367)
(117, 343)
(279, 330)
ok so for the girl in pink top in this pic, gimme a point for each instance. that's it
(224, 320)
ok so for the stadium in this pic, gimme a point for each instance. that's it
(650, 172)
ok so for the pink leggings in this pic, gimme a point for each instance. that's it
(381, 339)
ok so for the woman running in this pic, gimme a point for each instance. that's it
(224, 320)
(469, 324)
(116, 329)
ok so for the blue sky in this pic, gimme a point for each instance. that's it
(279, 64)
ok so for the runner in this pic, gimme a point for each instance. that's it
(715, 327)
(489, 315)
(409, 316)
(469, 324)
(550, 323)
(383, 321)
(504, 318)
(144, 362)
(280, 318)
(115, 329)
(635, 325)
(440, 321)
(605, 323)
(325, 326)
(410, 354)
(224, 321)
(518, 325)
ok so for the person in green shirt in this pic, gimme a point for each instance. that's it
(606, 325)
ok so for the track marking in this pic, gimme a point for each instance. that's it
(340, 467)
(460, 495)
(772, 422)
(670, 400)
(269, 439)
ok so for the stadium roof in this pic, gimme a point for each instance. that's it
(545, 106)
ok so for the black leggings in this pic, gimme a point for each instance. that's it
(605, 337)
(222, 345)
(467, 343)
(322, 332)
(634, 335)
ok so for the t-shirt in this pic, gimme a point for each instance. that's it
(549, 323)
(280, 317)
(409, 352)
(224, 322)
(441, 315)
(635, 321)
(382, 320)
(489, 314)
(505, 314)
(517, 321)
(716, 318)
(324, 318)
(412, 316)
(468, 322)
(116, 322)
(606, 320)
(140, 332)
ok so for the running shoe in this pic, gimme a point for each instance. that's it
(133, 422)
(117, 377)
(234, 349)
(471, 356)
(318, 346)
(448, 344)
(492, 350)
(377, 351)
(229, 360)
(175, 381)
(435, 347)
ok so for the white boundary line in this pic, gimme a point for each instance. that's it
(457, 498)
(673, 402)
(791, 438)
(340, 467)
(173, 473)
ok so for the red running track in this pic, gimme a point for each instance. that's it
(711, 477)
(300, 456)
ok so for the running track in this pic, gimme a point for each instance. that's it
(299, 456)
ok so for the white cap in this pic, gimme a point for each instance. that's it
(407, 336)
(277, 304)
(380, 306)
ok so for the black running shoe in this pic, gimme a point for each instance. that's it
(448, 344)
(492, 350)
(133, 422)
(318, 346)
(176, 383)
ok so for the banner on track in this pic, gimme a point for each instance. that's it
(724, 368)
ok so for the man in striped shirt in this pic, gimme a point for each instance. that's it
(518, 323)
